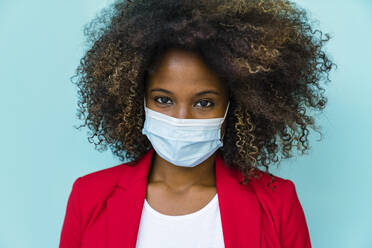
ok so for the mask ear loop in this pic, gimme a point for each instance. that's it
(227, 108)
(224, 118)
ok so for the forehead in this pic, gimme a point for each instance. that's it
(183, 71)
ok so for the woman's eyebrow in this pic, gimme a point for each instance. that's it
(162, 90)
(207, 92)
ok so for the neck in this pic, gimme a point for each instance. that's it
(180, 178)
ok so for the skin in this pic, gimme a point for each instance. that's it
(173, 90)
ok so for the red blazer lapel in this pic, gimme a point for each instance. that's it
(124, 206)
(239, 208)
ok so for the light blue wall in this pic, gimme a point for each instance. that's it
(42, 154)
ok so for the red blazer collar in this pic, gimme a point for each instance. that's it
(239, 207)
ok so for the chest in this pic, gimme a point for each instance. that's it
(174, 203)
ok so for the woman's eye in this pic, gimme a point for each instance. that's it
(201, 104)
(204, 103)
(163, 100)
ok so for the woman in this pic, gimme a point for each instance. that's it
(201, 97)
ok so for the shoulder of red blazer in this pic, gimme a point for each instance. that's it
(279, 201)
(272, 192)
(97, 185)
(94, 188)
(273, 195)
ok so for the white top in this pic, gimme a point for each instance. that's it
(198, 229)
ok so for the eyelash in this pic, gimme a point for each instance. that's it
(211, 104)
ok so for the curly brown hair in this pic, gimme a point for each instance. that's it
(266, 51)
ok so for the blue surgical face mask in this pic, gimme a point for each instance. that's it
(183, 142)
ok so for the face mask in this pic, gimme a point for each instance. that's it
(183, 142)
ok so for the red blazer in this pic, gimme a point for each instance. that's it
(104, 209)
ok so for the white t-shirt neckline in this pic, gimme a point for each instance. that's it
(166, 217)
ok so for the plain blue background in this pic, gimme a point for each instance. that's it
(42, 154)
